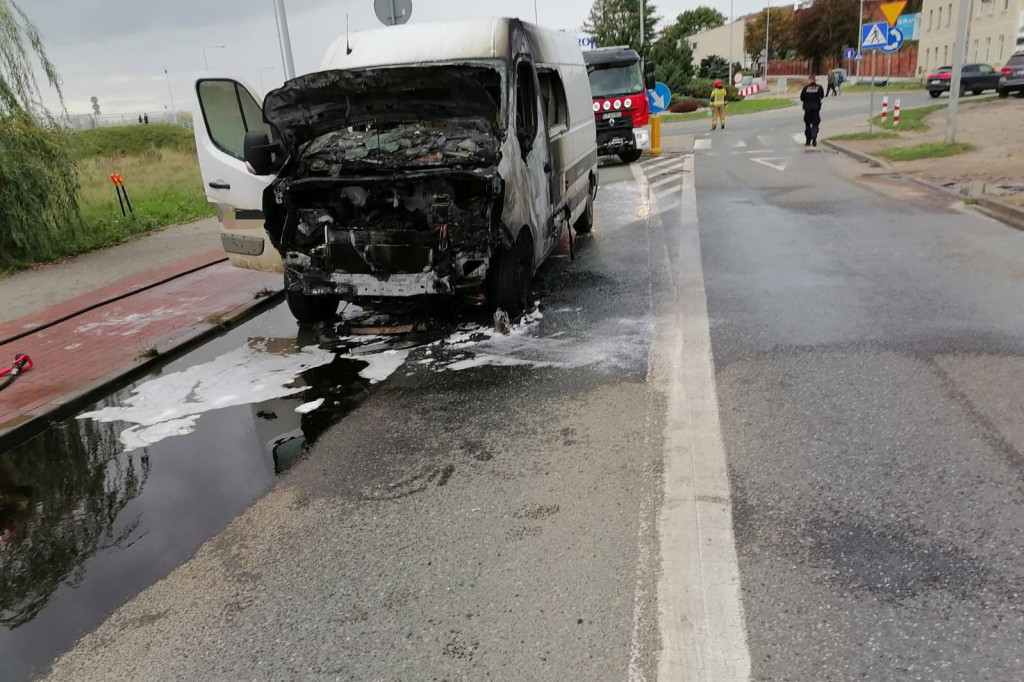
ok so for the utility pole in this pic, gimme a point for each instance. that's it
(959, 47)
(284, 39)
(536, 17)
(767, 44)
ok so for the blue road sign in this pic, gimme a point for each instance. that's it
(875, 36)
(849, 53)
(895, 41)
(660, 97)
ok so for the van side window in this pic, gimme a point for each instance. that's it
(230, 112)
(526, 102)
(552, 97)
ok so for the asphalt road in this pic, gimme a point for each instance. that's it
(767, 427)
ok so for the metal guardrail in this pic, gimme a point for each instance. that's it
(89, 121)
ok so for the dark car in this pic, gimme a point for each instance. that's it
(975, 78)
(1012, 77)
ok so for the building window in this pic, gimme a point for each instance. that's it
(991, 6)
(931, 18)
(975, 49)
(949, 14)
(945, 54)
(1006, 5)
(939, 23)
(1002, 45)
(988, 50)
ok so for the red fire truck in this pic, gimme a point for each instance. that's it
(619, 80)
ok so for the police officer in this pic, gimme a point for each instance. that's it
(811, 96)
(718, 105)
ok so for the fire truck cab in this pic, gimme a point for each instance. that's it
(619, 80)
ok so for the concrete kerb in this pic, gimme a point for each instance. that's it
(32, 423)
(1009, 215)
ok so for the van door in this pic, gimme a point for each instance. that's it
(225, 110)
(532, 133)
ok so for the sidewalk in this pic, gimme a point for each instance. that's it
(77, 357)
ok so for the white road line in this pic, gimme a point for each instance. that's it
(664, 181)
(699, 602)
(667, 192)
(799, 138)
(738, 144)
(765, 140)
(662, 164)
(778, 163)
(702, 143)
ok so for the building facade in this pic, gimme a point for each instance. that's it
(724, 41)
(996, 31)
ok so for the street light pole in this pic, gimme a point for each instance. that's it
(643, 10)
(284, 38)
(959, 47)
(174, 110)
(206, 59)
(767, 44)
(860, 41)
(536, 17)
(732, 30)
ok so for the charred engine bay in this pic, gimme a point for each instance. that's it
(409, 198)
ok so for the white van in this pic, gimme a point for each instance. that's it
(424, 159)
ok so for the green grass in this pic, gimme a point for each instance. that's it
(747, 106)
(129, 140)
(896, 87)
(860, 137)
(928, 150)
(913, 119)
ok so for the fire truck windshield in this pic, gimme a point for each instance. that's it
(609, 80)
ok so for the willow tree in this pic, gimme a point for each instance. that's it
(38, 183)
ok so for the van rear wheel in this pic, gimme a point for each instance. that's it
(309, 309)
(511, 277)
(630, 157)
(585, 223)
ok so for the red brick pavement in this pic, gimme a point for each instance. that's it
(98, 346)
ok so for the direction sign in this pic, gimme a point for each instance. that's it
(660, 97)
(895, 41)
(849, 53)
(875, 36)
(892, 10)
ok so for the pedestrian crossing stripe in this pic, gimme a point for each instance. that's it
(702, 143)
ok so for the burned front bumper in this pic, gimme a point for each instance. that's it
(618, 136)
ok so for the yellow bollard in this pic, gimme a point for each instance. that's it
(655, 135)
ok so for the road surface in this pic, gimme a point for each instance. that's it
(768, 427)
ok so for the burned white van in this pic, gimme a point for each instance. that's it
(420, 160)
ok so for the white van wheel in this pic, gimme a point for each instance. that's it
(309, 309)
(585, 223)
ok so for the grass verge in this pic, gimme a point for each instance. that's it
(860, 137)
(927, 150)
(747, 106)
(913, 119)
(896, 87)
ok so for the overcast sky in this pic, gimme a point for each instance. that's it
(117, 50)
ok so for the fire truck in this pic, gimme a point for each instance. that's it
(619, 81)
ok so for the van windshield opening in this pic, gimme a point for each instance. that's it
(609, 80)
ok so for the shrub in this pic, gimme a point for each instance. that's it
(684, 106)
(700, 88)
(38, 191)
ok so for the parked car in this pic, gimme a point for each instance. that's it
(975, 78)
(1012, 77)
(442, 159)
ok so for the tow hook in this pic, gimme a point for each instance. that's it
(22, 363)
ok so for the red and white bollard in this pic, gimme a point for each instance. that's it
(896, 114)
(885, 108)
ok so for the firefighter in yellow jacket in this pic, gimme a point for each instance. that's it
(718, 106)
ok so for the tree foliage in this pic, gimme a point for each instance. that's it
(780, 33)
(38, 183)
(713, 66)
(696, 20)
(825, 28)
(673, 59)
(617, 22)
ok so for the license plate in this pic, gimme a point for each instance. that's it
(614, 114)
(936, 82)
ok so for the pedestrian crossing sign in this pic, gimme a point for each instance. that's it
(875, 36)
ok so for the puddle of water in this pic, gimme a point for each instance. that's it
(86, 523)
(985, 189)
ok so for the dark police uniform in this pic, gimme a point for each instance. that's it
(811, 96)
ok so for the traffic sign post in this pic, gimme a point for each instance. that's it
(660, 97)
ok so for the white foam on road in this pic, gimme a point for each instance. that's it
(381, 365)
(171, 405)
(306, 408)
